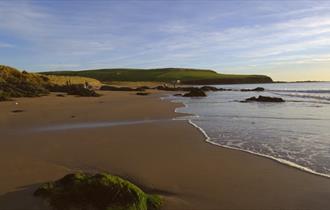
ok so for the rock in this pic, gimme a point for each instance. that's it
(4, 98)
(113, 88)
(178, 94)
(99, 191)
(17, 110)
(144, 87)
(258, 89)
(60, 95)
(142, 94)
(73, 89)
(80, 90)
(209, 88)
(196, 92)
(264, 99)
(224, 89)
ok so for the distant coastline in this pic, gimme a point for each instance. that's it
(304, 81)
(170, 75)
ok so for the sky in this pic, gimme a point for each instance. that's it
(287, 40)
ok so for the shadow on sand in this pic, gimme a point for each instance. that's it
(22, 199)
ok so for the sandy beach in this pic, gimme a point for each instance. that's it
(170, 157)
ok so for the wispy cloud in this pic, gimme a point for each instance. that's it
(204, 35)
(6, 45)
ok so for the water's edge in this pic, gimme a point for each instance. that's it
(209, 140)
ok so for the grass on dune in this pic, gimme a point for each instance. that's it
(15, 83)
(62, 80)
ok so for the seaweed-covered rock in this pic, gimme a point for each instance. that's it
(264, 99)
(96, 192)
(196, 92)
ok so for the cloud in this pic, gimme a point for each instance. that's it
(46, 31)
(206, 35)
(6, 45)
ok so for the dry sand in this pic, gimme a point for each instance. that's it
(169, 157)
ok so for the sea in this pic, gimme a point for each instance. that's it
(296, 133)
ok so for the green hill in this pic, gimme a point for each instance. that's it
(187, 76)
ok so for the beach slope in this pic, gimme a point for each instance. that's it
(169, 157)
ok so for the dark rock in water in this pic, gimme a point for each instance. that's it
(178, 94)
(99, 192)
(196, 92)
(224, 89)
(264, 99)
(258, 89)
(17, 110)
(142, 94)
(209, 88)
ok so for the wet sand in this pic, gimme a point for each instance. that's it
(166, 156)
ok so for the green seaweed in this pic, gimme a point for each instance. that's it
(96, 192)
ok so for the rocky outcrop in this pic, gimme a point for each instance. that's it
(264, 99)
(196, 92)
(209, 88)
(73, 89)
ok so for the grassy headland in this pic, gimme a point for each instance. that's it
(185, 75)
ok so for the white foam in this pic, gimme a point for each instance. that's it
(209, 140)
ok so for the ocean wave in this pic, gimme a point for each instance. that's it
(212, 141)
(300, 91)
(280, 160)
(264, 117)
(299, 95)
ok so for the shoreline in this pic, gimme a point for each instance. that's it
(169, 157)
(278, 160)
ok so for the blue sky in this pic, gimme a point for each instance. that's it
(288, 40)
